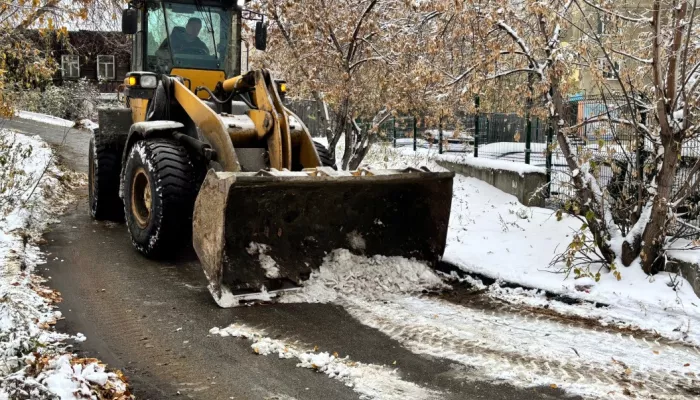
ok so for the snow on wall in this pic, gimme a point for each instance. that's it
(44, 118)
(486, 163)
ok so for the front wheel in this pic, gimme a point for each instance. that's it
(159, 191)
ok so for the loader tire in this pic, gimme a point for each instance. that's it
(159, 194)
(103, 181)
(325, 155)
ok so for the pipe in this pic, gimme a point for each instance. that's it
(198, 146)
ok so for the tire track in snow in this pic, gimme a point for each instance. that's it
(526, 350)
(493, 302)
(522, 349)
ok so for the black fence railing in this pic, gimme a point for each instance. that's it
(613, 147)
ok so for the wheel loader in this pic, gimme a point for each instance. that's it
(200, 152)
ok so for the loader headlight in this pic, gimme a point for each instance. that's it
(283, 88)
(149, 81)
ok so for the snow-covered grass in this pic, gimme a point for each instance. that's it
(34, 360)
(493, 235)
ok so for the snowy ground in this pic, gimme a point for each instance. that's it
(51, 120)
(492, 234)
(637, 336)
(35, 362)
(500, 343)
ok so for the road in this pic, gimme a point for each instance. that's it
(152, 319)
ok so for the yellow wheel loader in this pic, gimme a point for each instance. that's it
(204, 153)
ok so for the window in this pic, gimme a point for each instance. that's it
(608, 71)
(196, 36)
(105, 68)
(70, 66)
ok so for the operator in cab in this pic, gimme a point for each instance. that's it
(186, 40)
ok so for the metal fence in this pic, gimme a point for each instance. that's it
(311, 113)
(612, 147)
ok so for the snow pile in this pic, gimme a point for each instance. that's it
(378, 277)
(33, 363)
(369, 380)
(70, 378)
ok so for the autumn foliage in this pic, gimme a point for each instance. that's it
(23, 64)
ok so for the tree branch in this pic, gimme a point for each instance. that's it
(358, 25)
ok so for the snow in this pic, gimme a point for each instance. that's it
(74, 380)
(493, 235)
(387, 294)
(88, 124)
(518, 250)
(266, 262)
(156, 125)
(486, 163)
(369, 380)
(33, 357)
(684, 250)
(51, 120)
(377, 277)
(505, 347)
(44, 118)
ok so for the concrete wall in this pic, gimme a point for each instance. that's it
(524, 186)
(689, 271)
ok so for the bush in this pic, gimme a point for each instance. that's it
(74, 100)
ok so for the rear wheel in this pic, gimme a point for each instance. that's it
(159, 194)
(103, 181)
(325, 155)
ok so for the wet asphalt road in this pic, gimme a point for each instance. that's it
(151, 319)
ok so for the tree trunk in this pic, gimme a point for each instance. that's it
(360, 151)
(654, 236)
(585, 194)
(349, 145)
(336, 127)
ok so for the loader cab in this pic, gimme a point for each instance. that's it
(199, 40)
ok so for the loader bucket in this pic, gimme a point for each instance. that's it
(255, 230)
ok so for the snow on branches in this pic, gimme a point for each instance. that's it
(642, 62)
